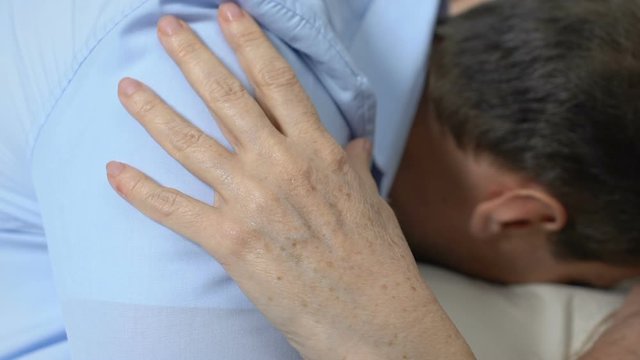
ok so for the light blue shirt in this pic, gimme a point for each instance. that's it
(82, 273)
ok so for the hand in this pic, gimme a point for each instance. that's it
(297, 221)
(621, 340)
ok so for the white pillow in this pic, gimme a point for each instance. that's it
(539, 321)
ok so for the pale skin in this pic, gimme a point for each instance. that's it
(357, 294)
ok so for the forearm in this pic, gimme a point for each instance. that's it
(612, 352)
(404, 327)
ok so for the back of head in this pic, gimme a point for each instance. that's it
(551, 88)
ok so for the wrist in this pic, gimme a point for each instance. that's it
(417, 331)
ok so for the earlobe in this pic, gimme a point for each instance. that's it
(519, 209)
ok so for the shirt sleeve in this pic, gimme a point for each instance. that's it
(131, 289)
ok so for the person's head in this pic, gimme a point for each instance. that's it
(526, 152)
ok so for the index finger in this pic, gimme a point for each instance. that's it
(276, 84)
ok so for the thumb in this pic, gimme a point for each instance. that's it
(359, 155)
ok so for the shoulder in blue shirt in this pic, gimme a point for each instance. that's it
(127, 287)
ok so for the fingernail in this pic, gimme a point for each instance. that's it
(169, 25)
(231, 11)
(115, 168)
(128, 86)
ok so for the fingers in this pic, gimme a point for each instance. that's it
(171, 208)
(277, 87)
(201, 155)
(240, 117)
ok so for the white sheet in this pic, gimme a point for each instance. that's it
(524, 322)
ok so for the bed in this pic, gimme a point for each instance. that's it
(523, 322)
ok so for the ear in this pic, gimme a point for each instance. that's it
(519, 209)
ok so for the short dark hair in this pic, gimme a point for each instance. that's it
(551, 88)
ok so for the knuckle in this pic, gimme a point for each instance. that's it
(261, 203)
(250, 37)
(186, 137)
(279, 151)
(269, 151)
(224, 90)
(338, 160)
(164, 201)
(276, 77)
(261, 199)
(133, 187)
(187, 49)
(146, 106)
